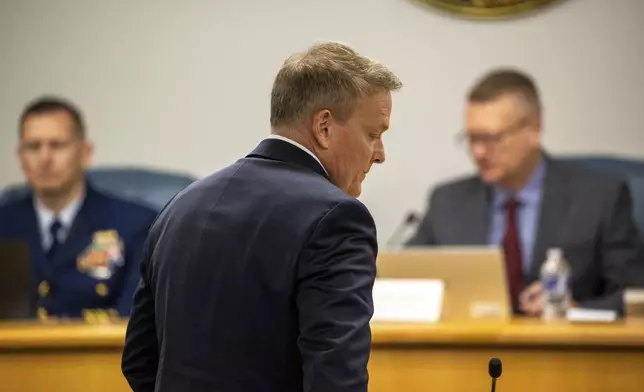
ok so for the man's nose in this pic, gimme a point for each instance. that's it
(379, 153)
(478, 150)
(45, 155)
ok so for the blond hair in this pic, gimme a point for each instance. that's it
(329, 76)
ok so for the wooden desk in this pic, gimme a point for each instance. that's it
(536, 357)
(61, 357)
(408, 357)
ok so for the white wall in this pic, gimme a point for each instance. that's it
(185, 84)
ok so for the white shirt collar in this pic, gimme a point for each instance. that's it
(66, 218)
(298, 145)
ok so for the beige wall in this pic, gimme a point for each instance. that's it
(185, 84)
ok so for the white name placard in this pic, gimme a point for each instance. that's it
(407, 300)
(591, 315)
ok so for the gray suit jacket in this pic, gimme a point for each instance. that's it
(586, 213)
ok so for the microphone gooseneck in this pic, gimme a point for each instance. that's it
(410, 219)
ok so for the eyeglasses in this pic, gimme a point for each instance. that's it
(33, 147)
(488, 139)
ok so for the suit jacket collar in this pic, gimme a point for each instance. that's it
(84, 222)
(555, 203)
(66, 217)
(279, 150)
(481, 196)
(529, 193)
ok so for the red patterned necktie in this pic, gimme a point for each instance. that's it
(512, 252)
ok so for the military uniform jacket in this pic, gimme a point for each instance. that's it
(95, 268)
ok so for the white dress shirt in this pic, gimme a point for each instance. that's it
(301, 147)
(66, 218)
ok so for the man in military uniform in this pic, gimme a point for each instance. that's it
(84, 244)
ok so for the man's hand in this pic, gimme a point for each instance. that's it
(531, 299)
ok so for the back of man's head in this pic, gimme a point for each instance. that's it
(329, 76)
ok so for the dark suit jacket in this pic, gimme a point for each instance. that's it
(72, 287)
(256, 278)
(587, 214)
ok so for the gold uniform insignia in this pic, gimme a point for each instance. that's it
(103, 256)
(101, 289)
(488, 9)
(43, 288)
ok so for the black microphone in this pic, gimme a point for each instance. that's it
(410, 218)
(494, 369)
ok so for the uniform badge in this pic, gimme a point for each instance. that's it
(103, 256)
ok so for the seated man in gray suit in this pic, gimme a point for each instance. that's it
(527, 201)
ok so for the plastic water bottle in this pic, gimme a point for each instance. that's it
(555, 273)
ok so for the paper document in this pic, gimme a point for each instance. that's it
(591, 315)
(408, 300)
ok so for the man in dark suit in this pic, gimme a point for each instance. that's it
(259, 277)
(85, 245)
(527, 202)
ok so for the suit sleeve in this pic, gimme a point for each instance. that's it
(336, 273)
(141, 353)
(424, 235)
(132, 273)
(621, 251)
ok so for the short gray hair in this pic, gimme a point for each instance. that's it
(329, 76)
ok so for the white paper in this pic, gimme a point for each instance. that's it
(591, 315)
(486, 309)
(407, 300)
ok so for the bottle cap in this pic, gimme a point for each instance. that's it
(555, 253)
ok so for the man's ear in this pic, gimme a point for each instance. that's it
(322, 123)
(87, 153)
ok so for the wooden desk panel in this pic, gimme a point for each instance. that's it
(536, 357)
(76, 370)
(61, 357)
(450, 369)
(408, 357)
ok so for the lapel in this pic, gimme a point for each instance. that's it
(555, 202)
(282, 151)
(475, 213)
(80, 233)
